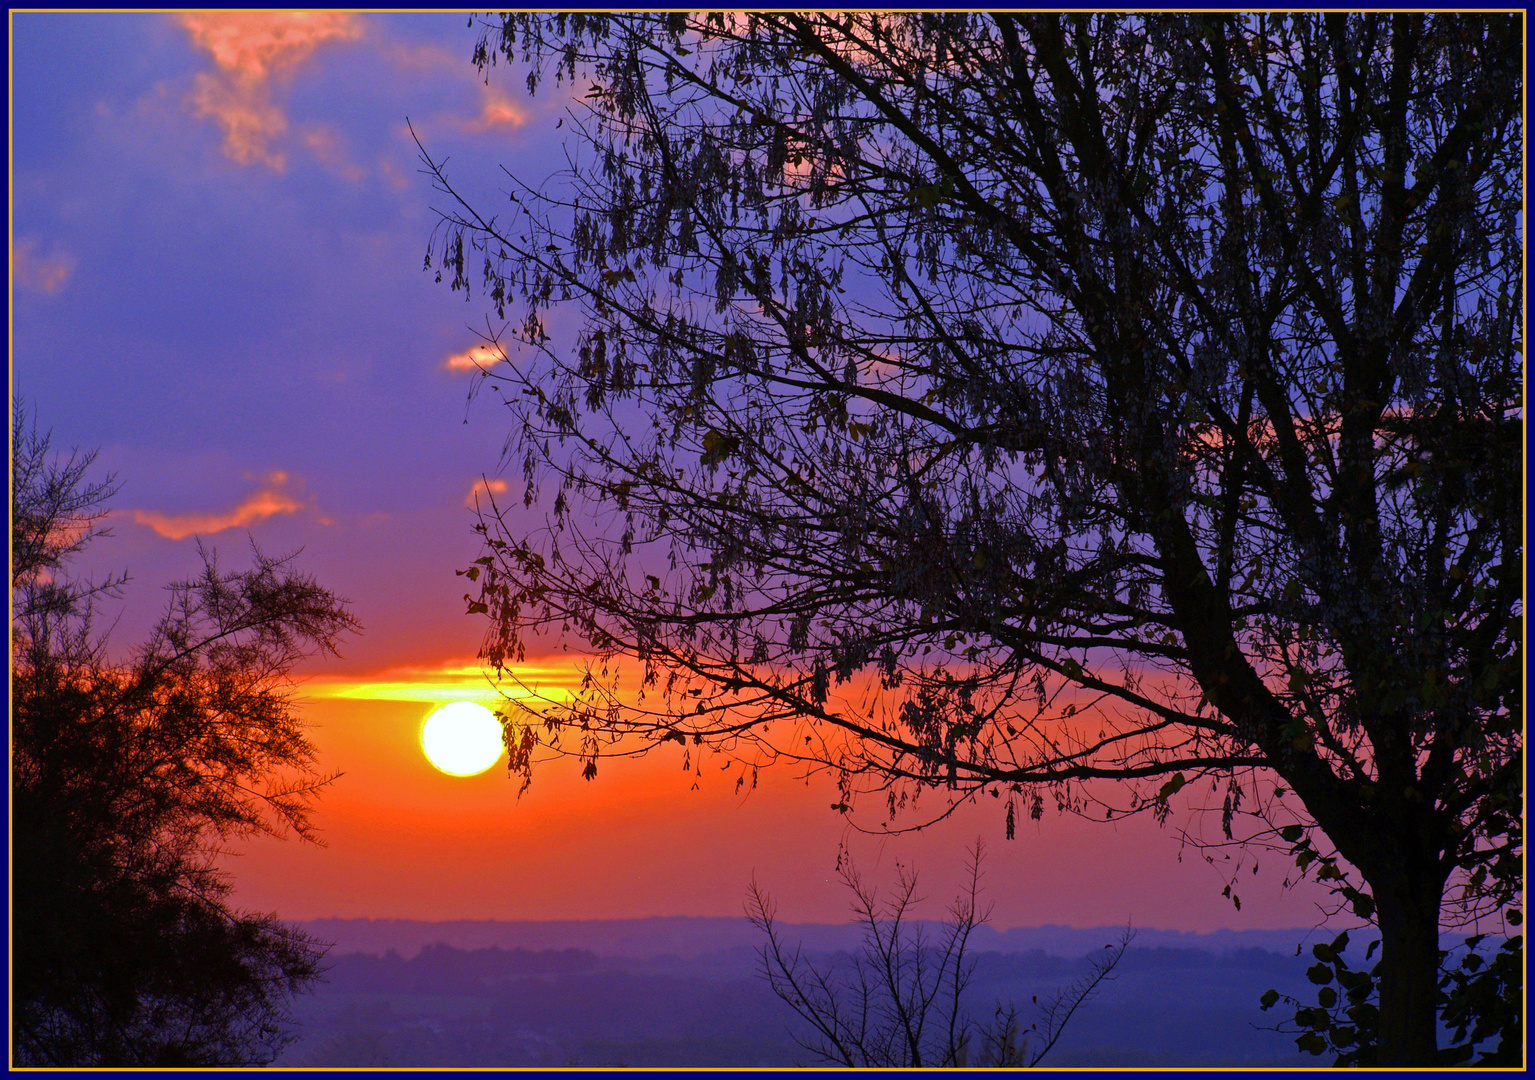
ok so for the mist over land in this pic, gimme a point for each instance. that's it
(685, 991)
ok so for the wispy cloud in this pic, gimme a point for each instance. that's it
(498, 113)
(269, 501)
(253, 52)
(329, 149)
(476, 359)
(424, 57)
(43, 273)
(456, 680)
(483, 486)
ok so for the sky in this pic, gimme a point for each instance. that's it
(218, 224)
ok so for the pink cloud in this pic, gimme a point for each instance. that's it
(45, 274)
(252, 51)
(268, 502)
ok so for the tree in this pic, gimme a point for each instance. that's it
(1132, 398)
(901, 1002)
(1480, 998)
(126, 776)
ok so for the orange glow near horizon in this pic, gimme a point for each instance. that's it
(648, 837)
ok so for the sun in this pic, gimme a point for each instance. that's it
(462, 739)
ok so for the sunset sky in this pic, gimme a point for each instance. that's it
(218, 226)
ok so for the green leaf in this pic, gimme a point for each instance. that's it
(1327, 997)
(1269, 999)
(1320, 974)
(1292, 833)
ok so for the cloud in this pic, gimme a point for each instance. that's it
(428, 57)
(498, 112)
(484, 487)
(455, 680)
(392, 174)
(268, 502)
(476, 359)
(31, 271)
(329, 149)
(253, 51)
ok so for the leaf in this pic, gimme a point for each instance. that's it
(1312, 1043)
(1171, 788)
(1320, 974)
(1269, 999)
(717, 447)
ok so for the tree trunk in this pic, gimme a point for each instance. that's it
(1409, 972)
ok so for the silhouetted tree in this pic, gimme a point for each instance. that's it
(899, 1003)
(128, 775)
(1132, 398)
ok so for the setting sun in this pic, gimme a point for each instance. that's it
(462, 739)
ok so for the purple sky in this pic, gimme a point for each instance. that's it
(218, 234)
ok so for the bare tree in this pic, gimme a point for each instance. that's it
(127, 776)
(1004, 403)
(899, 1003)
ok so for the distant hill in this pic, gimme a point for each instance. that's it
(686, 936)
(683, 992)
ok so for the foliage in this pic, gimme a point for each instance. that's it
(128, 775)
(900, 1005)
(999, 403)
(1479, 999)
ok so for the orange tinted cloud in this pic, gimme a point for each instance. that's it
(498, 112)
(484, 487)
(32, 271)
(476, 359)
(252, 51)
(268, 502)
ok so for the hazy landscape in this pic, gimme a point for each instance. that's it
(687, 992)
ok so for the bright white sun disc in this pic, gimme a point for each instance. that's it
(462, 739)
